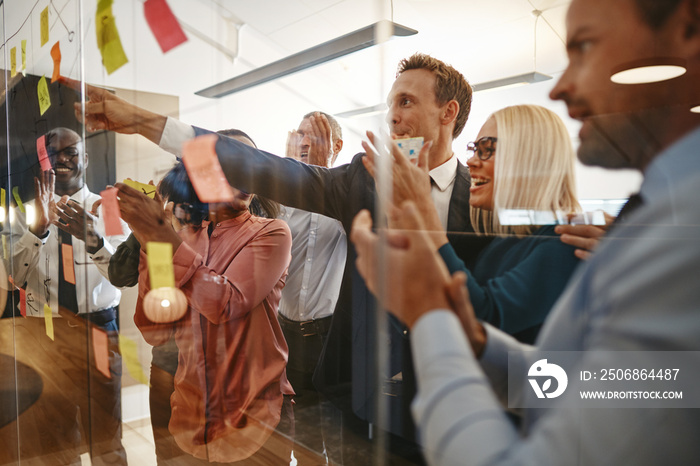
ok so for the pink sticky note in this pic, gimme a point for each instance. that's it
(204, 169)
(23, 302)
(163, 24)
(100, 347)
(42, 154)
(68, 269)
(111, 213)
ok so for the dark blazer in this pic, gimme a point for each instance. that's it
(346, 370)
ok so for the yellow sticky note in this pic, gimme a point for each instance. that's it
(44, 26)
(24, 54)
(4, 246)
(43, 92)
(108, 41)
(130, 357)
(48, 320)
(148, 189)
(2, 198)
(13, 61)
(160, 264)
(15, 194)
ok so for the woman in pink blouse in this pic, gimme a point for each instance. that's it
(230, 381)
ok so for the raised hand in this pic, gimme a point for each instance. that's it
(44, 202)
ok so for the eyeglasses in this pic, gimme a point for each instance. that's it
(484, 148)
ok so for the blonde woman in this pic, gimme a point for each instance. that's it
(522, 183)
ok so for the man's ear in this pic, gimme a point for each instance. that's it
(450, 112)
(85, 160)
(337, 147)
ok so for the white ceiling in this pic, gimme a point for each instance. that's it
(484, 39)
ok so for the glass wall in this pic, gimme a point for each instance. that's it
(176, 296)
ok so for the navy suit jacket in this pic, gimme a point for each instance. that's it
(346, 370)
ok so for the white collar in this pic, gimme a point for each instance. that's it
(444, 175)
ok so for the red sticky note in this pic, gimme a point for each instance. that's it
(110, 212)
(100, 347)
(204, 169)
(23, 302)
(42, 154)
(68, 268)
(163, 24)
(56, 55)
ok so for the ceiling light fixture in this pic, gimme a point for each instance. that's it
(364, 111)
(649, 70)
(327, 51)
(513, 81)
(695, 109)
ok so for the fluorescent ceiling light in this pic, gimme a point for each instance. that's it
(648, 70)
(513, 81)
(364, 111)
(327, 51)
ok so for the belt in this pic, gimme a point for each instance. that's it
(307, 328)
(102, 317)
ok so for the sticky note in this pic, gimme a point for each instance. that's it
(148, 189)
(13, 61)
(163, 24)
(204, 169)
(4, 247)
(130, 357)
(44, 26)
(100, 348)
(3, 193)
(68, 267)
(15, 194)
(111, 213)
(56, 55)
(23, 303)
(160, 264)
(42, 154)
(48, 320)
(24, 54)
(43, 92)
(108, 41)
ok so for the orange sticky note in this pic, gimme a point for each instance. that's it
(18, 200)
(100, 348)
(130, 357)
(56, 55)
(204, 169)
(148, 189)
(23, 302)
(48, 320)
(13, 61)
(44, 25)
(42, 90)
(42, 154)
(111, 213)
(68, 268)
(108, 41)
(160, 264)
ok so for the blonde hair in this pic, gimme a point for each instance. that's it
(533, 171)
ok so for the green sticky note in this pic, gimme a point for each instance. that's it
(160, 264)
(48, 320)
(13, 61)
(43, 92)
(44, 26)
(24, 54)
(15, 194)
(130, 357)
(108, 41)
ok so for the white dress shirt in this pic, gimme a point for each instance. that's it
(441, 189)
(35, 260)
(319, 248)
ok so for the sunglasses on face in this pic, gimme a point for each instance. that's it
(484, 148)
